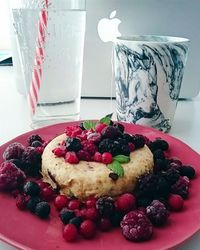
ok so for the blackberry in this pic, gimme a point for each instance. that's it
(73, 144)
(17, 163)
(158, 154)
(66, 215)
(125, 150)
(188, 171)
(31, 204)
(163, 188)
(76, 221)
(171, 175)
(119, 126)
(143, 202)
(31, 188)
(160, 165)
(108, 145)
(157, 213)
(105, 206)
(33, 138)
(181, 187)
(13, 151)
(31, 159)
(111, 132)
(116, 218)
(138, 140)
(42, 209)
(159, 144)
(146, 185)
(127, 137)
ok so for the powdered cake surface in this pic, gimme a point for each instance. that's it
(91, 178)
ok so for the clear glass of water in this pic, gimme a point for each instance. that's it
(50, 41)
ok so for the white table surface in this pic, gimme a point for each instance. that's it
(15, 120)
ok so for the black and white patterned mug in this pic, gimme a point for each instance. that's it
(148, 71)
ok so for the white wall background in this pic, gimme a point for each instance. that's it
(4, 25)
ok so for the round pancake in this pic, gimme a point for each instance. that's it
(92, 178)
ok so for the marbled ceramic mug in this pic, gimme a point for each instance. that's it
(148, 71)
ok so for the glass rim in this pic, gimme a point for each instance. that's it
(153, 39)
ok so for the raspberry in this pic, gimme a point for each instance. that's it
(125, 202)
(105, 206)
(66, 215)
(157, 213)
(47, 193)
(188, 171)
(87, 229)
(42, 209)
(74, 204)
(111, 132)
(181, 187)
(73, 144)
(100, 127)
(73, 131)
(11, 177)
(97, 157)
(105, 224)
(138, 140)
(60, 202)
(175, 202)
(91, 202)
(31, 188)
(59, 151)
(33, 138)
(94, 137)
(32, 161)
(82, 136)
(136, 226)
(106, 158)
(21, 201)
(13, 151)
(92, 214)
(71, 158)
(89, 147)
(70, 232)
(83, 155)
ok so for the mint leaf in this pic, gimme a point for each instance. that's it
(106, 120)
(117, 168)
(122, 158)
(89, 124)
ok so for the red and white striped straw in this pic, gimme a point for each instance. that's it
(39, 59)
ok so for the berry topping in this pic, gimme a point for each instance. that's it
(73, 144)
(83, 155)
(66, 215)
(158, 154)
(14, 151)
(11, 177)
(70, 232)
(175, 202)
(71, 157)
(21, 201)
(125, 202)
(76, 221)
(136, 226)
(188, 171)
(91, 202)
(92, 214)
(59, 151)
(89, 147)
(42, 209)
(87, 229)
(106, 158)
(111, 132)
(181, 187)
(33, 138)
(74, 204)
(100, 127)
(159, 144)
(157, 213)
(138, 140)
(119, 126)
(73, 131)
(60, 202)
(47, 193)
(31, 188)
(97, 157)
(94, 137)
(36, 144)
(105, 206)
(108, 145)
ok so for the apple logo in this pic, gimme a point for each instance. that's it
(108, 28)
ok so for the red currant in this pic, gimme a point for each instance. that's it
(60, 202)
(175, 202)
(125, 202)
(74, 204)
(100, 127)
(47, 193)
(97, 157)
(91, 202)
(70, 232)
(87, 229)
(106, 158)
(92, 214)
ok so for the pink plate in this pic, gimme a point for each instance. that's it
(25, 231)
